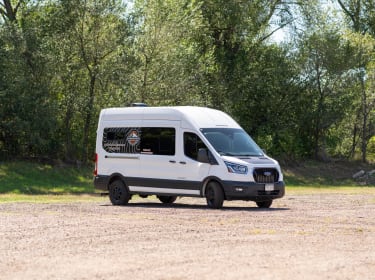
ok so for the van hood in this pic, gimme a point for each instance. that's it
(262, 160)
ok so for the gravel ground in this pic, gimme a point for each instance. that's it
(330, 236)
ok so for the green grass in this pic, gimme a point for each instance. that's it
(351, 190)
(44, 183)
(321, 174)
(50, 198)
(313, 181)
(316, 180)
(35, 178)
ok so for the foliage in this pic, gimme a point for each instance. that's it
(61, 61)
(170, 66)
(360, 17)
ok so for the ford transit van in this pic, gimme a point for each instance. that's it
(181, 151)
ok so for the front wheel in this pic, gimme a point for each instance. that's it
(264, 204)
(214, 195)
(167, 199)
(118, 193)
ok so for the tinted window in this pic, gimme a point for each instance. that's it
(121, 140)
(158, 141)
(145, 140)
(192, 143)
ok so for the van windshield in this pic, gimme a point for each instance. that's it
(232, 142)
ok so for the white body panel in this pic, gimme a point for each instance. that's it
(123, 163)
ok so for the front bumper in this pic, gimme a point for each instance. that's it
(253, 191)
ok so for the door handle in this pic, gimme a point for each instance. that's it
(183, 162)
(172, 161)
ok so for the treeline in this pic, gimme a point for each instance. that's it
(308, 96)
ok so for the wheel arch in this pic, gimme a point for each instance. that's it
(212, 179)
(114, 177)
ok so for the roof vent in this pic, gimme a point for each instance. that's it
(138, 105)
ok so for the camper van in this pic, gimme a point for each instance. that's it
(181, 151)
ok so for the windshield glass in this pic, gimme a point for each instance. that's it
(231, 142)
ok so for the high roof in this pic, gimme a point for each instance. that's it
(198, 117)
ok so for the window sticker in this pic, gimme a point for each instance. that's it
(133, 137)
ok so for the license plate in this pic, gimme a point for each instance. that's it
(269, 187)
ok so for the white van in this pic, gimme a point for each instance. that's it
(181, 151)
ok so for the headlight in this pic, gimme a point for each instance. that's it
(236, 168)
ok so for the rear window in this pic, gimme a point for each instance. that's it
(122, 139)
(145, 140)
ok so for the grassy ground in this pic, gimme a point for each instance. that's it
(322, 175)
(49, 198)
(36, 178)
(28, 181)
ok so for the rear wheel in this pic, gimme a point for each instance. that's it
(264, 204)
(167, 199)
(214, 195)
(118, 193)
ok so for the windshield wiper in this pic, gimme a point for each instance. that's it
(232, 154)
(239, 155)
(225, 153)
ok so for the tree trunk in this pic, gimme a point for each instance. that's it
(354, 140)
(89, 110)
(144, 82)
(319, 114)
(10, 13)
(364, 119)
(68, 133)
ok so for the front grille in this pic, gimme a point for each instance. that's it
(266, 175)
(276, 192)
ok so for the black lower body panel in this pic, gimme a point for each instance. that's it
(101, 182)
(252, 191)
(233, 190)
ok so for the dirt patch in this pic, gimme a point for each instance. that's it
(330, 236)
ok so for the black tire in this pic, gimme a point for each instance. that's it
(118, 193)
(214, 195)
(264, 204)
(167, 199)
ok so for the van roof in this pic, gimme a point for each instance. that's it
(200, 117)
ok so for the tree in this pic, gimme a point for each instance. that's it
(361, 18)
(171, 68)
(28, 122)
(89, 37)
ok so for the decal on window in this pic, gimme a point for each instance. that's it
(133, 137)
(121, 140)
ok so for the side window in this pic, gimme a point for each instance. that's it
(121, 139)
(192, 143)
(158, 141)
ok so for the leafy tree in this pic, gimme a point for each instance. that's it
(360, 16)
(266, 102)
(170, 68)
(28, 122)
(88, 43)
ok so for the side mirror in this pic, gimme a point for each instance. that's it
(203, 155)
